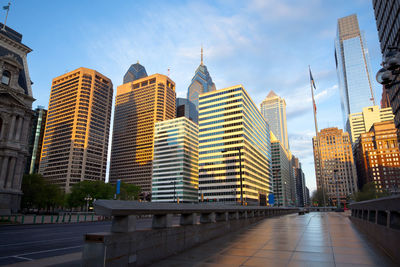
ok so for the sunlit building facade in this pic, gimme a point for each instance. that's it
(176, 161)
(36, 140)
(75, 142)
(362, 122)
(201, 83)
(228, 121)
(353, 68)
(273, 108)
(138, 106)
(378, 157)
(334, 162)
(280, 173)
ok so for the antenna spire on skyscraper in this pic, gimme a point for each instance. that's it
(201, 63)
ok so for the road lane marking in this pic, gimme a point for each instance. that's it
(22, 258)
(38, 252)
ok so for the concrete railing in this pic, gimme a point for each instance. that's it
(380, 220)
(198, 223)
(319, 209)
(65, 217)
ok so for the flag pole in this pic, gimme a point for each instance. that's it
(312, 84)
(5, 21)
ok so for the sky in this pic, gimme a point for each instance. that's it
(262, 44)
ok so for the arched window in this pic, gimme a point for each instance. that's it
(5, 78)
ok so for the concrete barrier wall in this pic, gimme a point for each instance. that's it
(46, 219)
(142, 247)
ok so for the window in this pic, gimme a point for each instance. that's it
(5, 78)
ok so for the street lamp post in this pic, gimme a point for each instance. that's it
(239, 149)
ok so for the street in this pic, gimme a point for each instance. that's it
(20, 243)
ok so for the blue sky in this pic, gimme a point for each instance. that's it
(263, 44)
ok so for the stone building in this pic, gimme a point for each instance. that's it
(15, 117)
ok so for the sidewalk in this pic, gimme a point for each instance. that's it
(314, 239)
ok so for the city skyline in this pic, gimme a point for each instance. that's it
(236, 51)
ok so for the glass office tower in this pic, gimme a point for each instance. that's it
(175, 175)
(353, 68)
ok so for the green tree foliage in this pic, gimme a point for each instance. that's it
(317, 198)
(368, 192)
(129, 192)
(39, 193)
(94, 189)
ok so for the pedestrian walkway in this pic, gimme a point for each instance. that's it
(314, 239)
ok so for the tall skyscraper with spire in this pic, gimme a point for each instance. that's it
(201, 83)
(273, 109)
(353, 68)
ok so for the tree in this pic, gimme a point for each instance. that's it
(368, 192)
(94, 189)
(129, 191)
(317, 198)
(39, 193)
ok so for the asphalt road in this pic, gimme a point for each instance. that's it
(20, 243)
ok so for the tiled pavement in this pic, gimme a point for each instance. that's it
(314, 239)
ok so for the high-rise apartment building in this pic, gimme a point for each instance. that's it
(233, 136)
(75, 142)
(138, 106)
(334, 163)
(280, 172)
(362, 122)
(15, 117)
(378, 157)
(353, 68)
(387, 15)
(201, 83)
(176, 161)
(36, 140)
(273, 108)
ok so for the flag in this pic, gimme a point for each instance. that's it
(6, 7)
(312, 81)
(315, 107)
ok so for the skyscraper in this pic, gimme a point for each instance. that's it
(15, 117)
(273, 108)
(201, 83)
(334, 163)
(138, 106)
(36, 140)
(280, 172)
(362, 122)
(185, 108)
(75, 142)
(135, 72)
(176, 161)
(232, 128)
(353, 68)
(387, 16)
(378, 157)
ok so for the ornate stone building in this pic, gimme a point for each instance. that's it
(15, 117)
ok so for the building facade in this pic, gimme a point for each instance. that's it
(334, 164)
(361, 122)
(75, 142)
(185, 108)
(280, 173)
(135, 72)
(353, 68)
(299, 182)
(138, 106)
(201, 83)
(176, 161)
(36, 140)
(15, 117)
(273, 108)
(231, 128)
(378, 157)
(387, 16)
